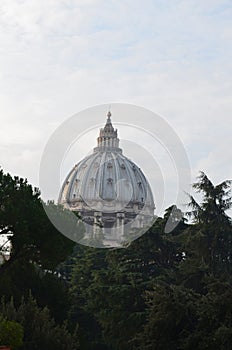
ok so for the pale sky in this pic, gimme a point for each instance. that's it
(59, 57)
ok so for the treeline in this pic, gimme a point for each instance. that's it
(164, 291)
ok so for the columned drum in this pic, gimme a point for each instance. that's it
(110, 192)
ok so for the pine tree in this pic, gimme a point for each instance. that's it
(213, 227)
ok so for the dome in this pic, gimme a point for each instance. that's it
(106, 184)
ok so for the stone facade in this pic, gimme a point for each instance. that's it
(109, 191)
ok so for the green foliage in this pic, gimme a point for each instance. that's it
(36, 246)
(194, 311)
(11, 333)
(171, 315)
(23, 219)
(169, 289)
(107, 286)
(40, 329)
(179, 318)
(211, 236)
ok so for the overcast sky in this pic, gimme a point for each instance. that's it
(58, 57)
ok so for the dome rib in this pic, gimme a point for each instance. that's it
(108, 185)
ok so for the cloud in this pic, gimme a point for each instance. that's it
(58, 57)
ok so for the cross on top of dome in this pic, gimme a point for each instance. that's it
(108, 116)
(109, 127)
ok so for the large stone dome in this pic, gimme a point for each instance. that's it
(108, 189)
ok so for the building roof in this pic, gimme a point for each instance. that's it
(107, 179)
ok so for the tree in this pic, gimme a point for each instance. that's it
(189, 308)
(31, 235)
(11, 333)
(79, 270)
(107, 286)
(213, 227)
(36, 246)
(40, 329)
(171, 316)
(179, 318)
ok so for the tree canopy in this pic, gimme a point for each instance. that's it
(166, 290)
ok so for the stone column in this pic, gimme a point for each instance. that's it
(97, 225)
(120, 224)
